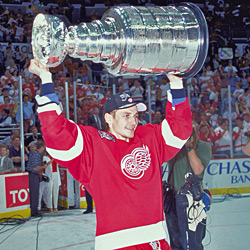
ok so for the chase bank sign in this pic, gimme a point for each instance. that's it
(228, 173)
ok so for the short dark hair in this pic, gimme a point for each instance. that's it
(16, 136)
(40, 144)
(4, 146)
(223, 121)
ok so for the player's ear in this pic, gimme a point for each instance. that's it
(108, 118)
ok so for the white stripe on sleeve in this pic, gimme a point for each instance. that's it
(50, 107)
(70, 154)
(169, 138)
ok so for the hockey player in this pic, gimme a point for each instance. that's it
(121, 168)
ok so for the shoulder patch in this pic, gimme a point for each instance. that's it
(106, 136)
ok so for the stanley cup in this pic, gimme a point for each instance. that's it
(129, 40)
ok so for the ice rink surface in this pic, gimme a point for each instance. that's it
(228, 229)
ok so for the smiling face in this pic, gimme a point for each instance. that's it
(123, 122)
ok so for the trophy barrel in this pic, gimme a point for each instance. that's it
(160, 40)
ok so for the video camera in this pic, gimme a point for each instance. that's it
(45, 178)
(192, 185)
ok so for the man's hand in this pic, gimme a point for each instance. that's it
(173, 78)
(175, 82)
(37, 68)
(189, 143)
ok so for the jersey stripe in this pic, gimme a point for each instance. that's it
(50, 107)
(169, 138)
(131, 236)
(69, 154)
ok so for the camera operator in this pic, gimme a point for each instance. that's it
(186, 218)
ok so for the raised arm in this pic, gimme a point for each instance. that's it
(177, 125)
(63, 138)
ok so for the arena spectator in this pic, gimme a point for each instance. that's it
(124, 83)
(241, 107)
(35, 161)
(59, 90)
(233, 115)
(209, 90)
(30, 148)
(246, 120)
(34, 137)
(98, 94)
(244, 62)
(2, 30)
(30, 11)
(164, 87)
(9, 33)
(27, 114)
(137, 91)
(105, 77)
(157, 117)
(95, 119)
(89, 89)
(28, 87)
(6, 164)
(244, 81)
(207, 104)
(15, 153)
(6, 79)
(239, 137)
(206, 133)
(9, 56)
(106, 96)
(237, 92)
(222, 145)
(194, 91)
(2, 60)
(141, 120)
(230, 68)
(14, 92)
(212, 54)
(81, 116)
(17, 56)
(152, 96)
(10, 106)
(4, 94)
(8, 139)
(84, 70)
(19, 33)
(45, 188)
(203, 80)
(5, 120)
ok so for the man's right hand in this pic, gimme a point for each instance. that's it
(37, 68)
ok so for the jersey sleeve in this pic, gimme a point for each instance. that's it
(65, 140)
(177, 125)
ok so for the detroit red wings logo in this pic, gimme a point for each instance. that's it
(133, 165)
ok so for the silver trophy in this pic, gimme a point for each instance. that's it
(129, 40)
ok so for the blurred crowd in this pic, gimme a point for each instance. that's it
(208, 90)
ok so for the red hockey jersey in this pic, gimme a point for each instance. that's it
(124, 178)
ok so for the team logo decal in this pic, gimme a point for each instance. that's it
(106, 136)
(133, 165)
(156, 245)
(126, 97)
